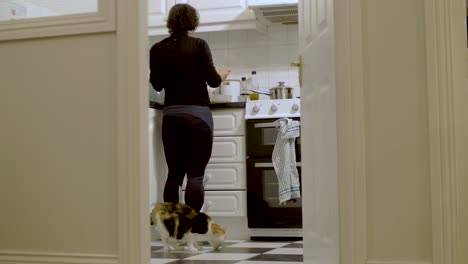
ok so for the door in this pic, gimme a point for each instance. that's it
(318, 130)
(264, 209)
(261, 137)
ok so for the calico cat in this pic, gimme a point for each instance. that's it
(178, 222)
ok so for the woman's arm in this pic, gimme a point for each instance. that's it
(223, 73)
(213, 77)
(155, 72)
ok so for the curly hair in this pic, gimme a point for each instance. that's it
(182, 18)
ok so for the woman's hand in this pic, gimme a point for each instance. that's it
(223, 73)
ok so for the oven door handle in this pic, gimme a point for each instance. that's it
(269, 164)
(266, 125)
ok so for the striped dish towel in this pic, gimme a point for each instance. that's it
(284, 160)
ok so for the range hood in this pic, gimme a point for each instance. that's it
(275, 11)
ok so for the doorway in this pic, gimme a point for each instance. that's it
(352, 200)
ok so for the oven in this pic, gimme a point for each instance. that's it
(267, 218)
(263, 207)
(261, 137)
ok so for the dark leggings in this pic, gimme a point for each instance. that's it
(188, 141)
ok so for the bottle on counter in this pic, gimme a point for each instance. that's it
(253, 85)
(254, 81)
(243, 83)
(244, 91)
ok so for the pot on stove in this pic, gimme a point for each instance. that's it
(281, 92)
(278, 92)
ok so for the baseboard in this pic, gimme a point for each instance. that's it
(24, 257)
(398, 262)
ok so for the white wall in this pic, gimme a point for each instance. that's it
(58, 183)
(397, 150)
(270, 54)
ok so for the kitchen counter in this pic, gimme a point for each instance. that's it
(155, 105)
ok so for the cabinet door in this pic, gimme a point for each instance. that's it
(214, 15)
(223, 176)
(225, 203)
(228, 149)
(221, 11)
(228, 122)
(158, 11)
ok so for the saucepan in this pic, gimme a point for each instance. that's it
(278, 92)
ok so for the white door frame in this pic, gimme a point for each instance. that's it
(350, 117)
(445, 22)
(447, 99)
(448, 146)
(132, 132)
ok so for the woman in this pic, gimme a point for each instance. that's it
(183, 66)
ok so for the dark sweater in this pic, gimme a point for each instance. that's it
(183, 66)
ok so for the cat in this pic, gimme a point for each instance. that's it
(177, 222)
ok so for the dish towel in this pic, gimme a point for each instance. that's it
(284, 160)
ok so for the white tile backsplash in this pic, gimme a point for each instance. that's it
(255, 38)
(279, 54)
(220, 57)
(278, 34)
(270, 54)
(218, 40)
(237, 39)
(292, 34)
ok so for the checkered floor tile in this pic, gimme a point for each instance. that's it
(232, 252)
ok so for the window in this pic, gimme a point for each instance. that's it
(39, 18)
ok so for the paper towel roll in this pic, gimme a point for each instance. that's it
(231, 88)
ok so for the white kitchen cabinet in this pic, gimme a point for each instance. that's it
(214, 15)
(158, 10)
(157, 160)
(228, 149)
(229, 123)
(223, 203)
(225, 175)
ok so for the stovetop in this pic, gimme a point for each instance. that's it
(279, 108)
